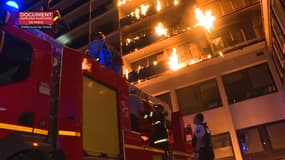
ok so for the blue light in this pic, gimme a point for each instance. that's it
(244, 147)
(12, 4)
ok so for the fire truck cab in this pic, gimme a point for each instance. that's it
(57, 103)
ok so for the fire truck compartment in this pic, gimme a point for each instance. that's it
(100, 119)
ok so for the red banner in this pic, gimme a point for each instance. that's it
(35, 18)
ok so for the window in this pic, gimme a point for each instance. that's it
(249, 83)
(165, 98)
(276, 134)
(227, 6)
(223, 147)
(250, 141)
(278, 12)
(236, 35)
(263, 142)
(199, 97)
(148, 61)
(14, 61)
(238, 4)
(249, 32)
(147, 67)
(283, 3)
(215, 8)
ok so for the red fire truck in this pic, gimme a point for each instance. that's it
(57, 103)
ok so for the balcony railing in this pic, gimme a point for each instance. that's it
(155, 69)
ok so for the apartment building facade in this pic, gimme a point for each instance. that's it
(228, 72)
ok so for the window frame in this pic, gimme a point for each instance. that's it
(22, 63)
(231, 144)
(198, 85)
(245, 71)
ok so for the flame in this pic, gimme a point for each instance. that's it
(209, 56)
(160, 30)
(205, 19)
(221, 54)
(137, 13)
(154, 63)
(173, 61)
(139, 68)
(127, 73)
(144, 9)
(128, 41)
(176, 2)
(86, 66)
(193, 61)
(158, 6)
(121, 2)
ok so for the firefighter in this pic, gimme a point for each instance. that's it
(99, 51)
(202, 140)
(160, 135)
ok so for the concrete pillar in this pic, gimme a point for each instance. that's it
(174, 101)
(232, 130)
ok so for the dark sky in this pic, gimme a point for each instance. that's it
(25, 4)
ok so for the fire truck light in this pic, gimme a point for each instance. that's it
(35, 144)
(144, 138)
(55, 18)
(12, 4)
(145, 116)
(64, 39)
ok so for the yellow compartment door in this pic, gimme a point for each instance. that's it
(100, 119)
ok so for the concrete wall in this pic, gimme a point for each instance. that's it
(228, 118)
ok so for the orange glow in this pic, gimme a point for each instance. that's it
(176, 2)
(127, 73)
(137, 13)
(158, 6)
(35, 144)
(161, 30)
(144, 9)
(121, 2)
(144, 138)
(209, 56)
(205, 19)
(139, 68)
(173, 61)
(154, 63)
(221, 54)
(193, 61)
(86, 66)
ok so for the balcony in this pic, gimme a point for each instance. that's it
(193, 52)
